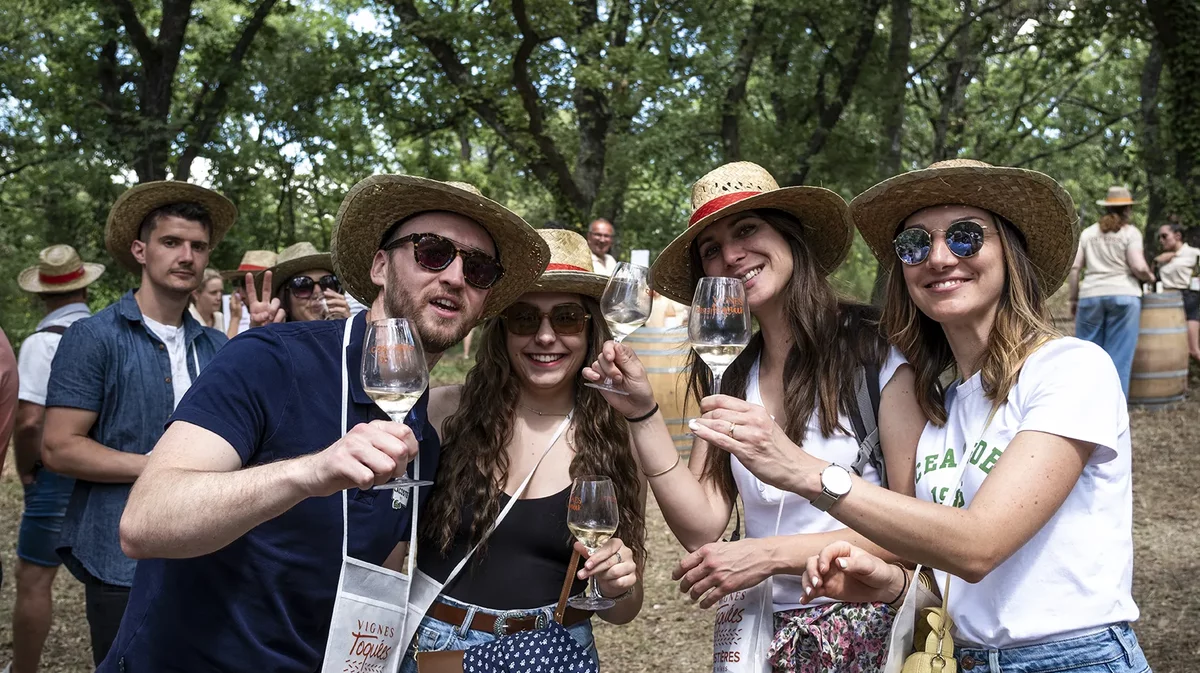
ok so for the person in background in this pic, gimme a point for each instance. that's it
(206, 301)
(1107, 304)
(60, 280)
(1177, 268)
(253, 263)
(600, 240)
(308, 289)
(8, 400)
(119, 374)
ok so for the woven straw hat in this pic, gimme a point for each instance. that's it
(1117, 196)
(570, 268)
(380, 201)
(59, 269)
(253, 261)
(742, 186)
(1033, 202)
(296, 258)
(137, 202)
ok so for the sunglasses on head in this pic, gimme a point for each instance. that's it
(526, 319)
(435, 253)
(964, 239)
(302, 287)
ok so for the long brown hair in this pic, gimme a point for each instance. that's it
(1022, 325)
(474, 465)
(831, 340)
(1114, 218)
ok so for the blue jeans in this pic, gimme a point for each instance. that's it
(1112, 324)
(46, 501)
(435, 636)
(1113, 650)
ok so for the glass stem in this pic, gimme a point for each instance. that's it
(593, 592)
(717, 383)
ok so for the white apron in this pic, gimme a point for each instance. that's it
(745, 625)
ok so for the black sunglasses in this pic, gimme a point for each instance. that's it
(524, 319)
(435, 253)
(302, 287)
(964, 239)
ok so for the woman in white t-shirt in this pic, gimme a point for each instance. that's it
(1178, 265)
(1039, 537)
(1107, 305)
(801, 368)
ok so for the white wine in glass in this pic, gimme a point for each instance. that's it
(394, 375)
(592, 517)
(626, 304)
(719, 323)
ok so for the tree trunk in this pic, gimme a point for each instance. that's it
(1153, 158)
(895, 81)
(947, 129)
(735, 95)
(1177, 24)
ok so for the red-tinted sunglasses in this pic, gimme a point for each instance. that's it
(435, 253)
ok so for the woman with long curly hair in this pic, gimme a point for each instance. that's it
(495, 428)
(802, 369)
(1023, 480)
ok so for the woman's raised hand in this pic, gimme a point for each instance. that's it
(622, 365)
(846, 573)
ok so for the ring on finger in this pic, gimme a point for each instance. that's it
(619, 561)
(732, 427)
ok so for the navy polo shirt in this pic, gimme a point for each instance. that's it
(264, 602)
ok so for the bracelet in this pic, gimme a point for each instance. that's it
(639, 419)
(904, 589)
(659, 474)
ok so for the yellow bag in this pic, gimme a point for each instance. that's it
(933, 648)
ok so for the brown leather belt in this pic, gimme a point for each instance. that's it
(505, 625)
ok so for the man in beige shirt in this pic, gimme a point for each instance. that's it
(600, 240)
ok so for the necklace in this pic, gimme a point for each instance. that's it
(539, 413)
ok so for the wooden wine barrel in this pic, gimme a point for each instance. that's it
(664, 353)
(1160, 363)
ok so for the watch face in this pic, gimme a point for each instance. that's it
(836, 480)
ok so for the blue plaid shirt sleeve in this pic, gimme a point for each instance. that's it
(78, 370)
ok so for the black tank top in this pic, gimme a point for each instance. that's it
(523, 564)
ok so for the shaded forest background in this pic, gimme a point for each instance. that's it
(571, 110)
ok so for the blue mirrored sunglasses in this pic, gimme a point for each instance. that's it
(964, 239)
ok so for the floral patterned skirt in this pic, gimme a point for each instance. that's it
(849, 637)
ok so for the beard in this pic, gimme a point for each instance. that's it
(437, 334)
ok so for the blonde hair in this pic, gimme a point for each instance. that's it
(1022, 325)
(1114, 218)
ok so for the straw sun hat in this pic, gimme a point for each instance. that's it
(380, 201)
(253, 261)
(1117, 196)
(296, 258)
(570, 268)
(742, 186)
(1033, 202)
(59, 269)
(132, 207)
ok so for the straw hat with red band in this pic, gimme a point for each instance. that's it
(570, 268)
(741, 186)
(1033, 202)
(376, 204)
(253, 261)
(59, 269)
(1117, 196)
(126, 216)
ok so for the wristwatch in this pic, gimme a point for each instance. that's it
(835, 483)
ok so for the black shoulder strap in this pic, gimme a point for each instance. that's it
(864, 416)
(53, 329)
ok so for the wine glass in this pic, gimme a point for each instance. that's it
(626, 306)
(592, 517)
(394, 375)
(719, 324)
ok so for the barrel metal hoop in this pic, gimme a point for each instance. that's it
(1142, 401)
(1179, 373)
(1163, 330)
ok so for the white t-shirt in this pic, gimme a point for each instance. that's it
(605, 266)
(173, 338)
(1073, 577)
(37, 352)
(1177, 273)
(761, 501)
(1106, 262)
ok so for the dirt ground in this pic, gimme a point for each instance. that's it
(670, 635)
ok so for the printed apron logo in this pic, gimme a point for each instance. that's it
(371, 644)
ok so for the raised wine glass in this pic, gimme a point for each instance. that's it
(592, 517)
(626, 306)
(394, 375)
(719, 324)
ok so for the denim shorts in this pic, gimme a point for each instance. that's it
(1113, 650)
(435, 636)
(46, 501)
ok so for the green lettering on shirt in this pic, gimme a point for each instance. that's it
(991, 461)
(958, 499)
(948, 461)
(930, 463)
(980, 447)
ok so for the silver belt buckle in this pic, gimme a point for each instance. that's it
(501, 626)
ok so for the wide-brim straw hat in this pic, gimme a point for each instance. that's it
(295, 258)
(377, 203)
(1117, 196)
(59, 269)
(126, 216)
(742, 186)
(253, 261)
(570, 268)
(1033, 202)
